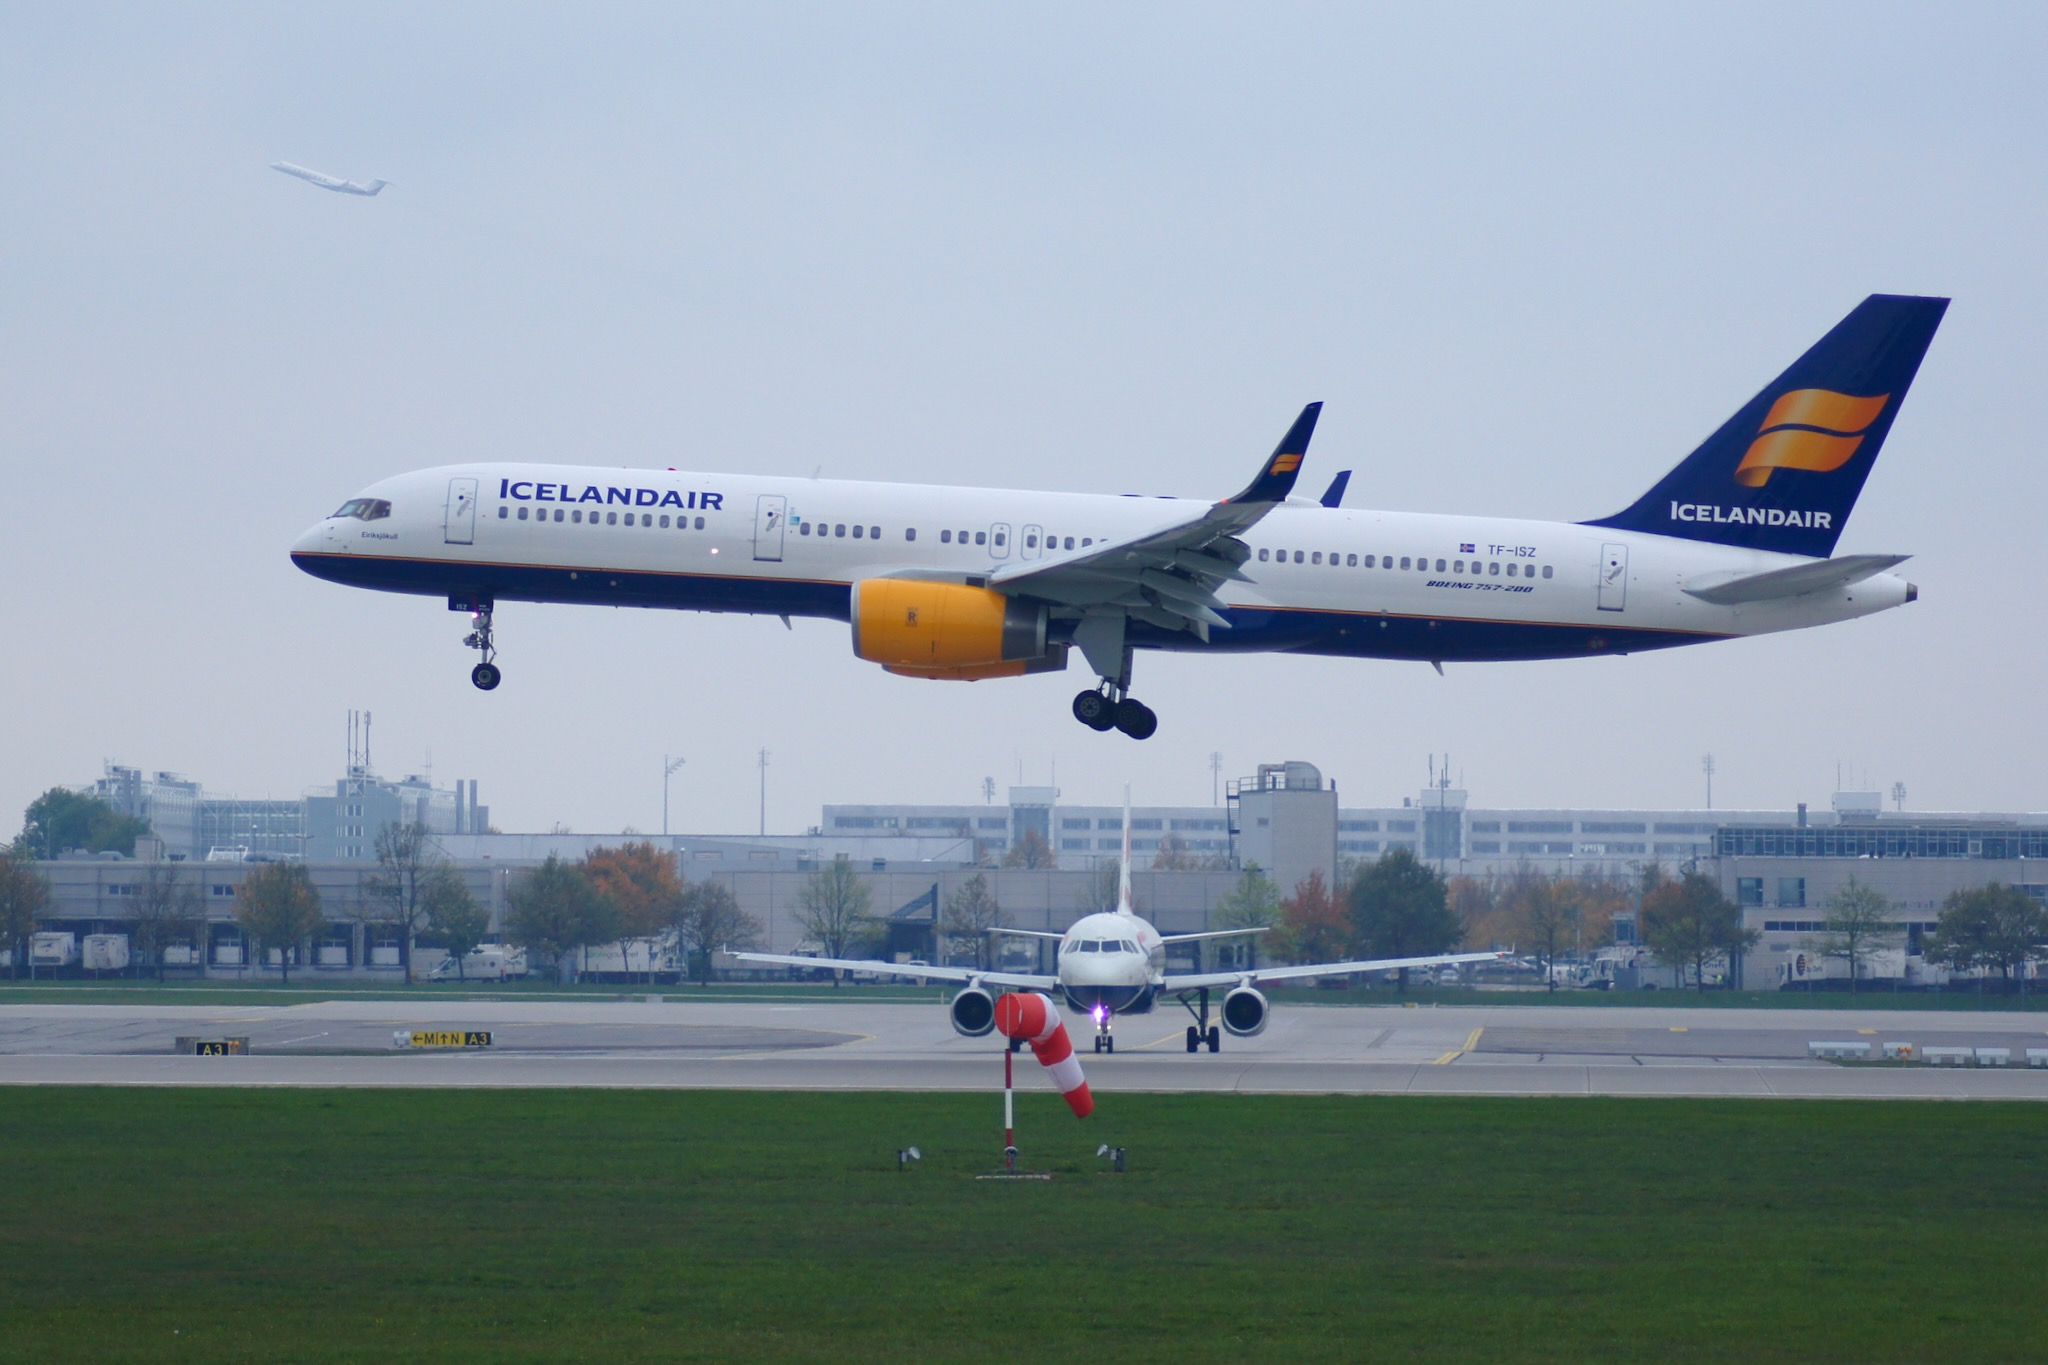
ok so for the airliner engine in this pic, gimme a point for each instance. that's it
(973, 1012)
(1245, 1012)
(949, 630)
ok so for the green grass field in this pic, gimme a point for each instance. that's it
(216, 1225)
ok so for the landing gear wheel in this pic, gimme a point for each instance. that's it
(486, 676)
(1109, 1045)
(1215, 1038)
(1093, 710)
(1194, 1039)
(1135, 718)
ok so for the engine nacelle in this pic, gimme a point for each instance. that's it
(1245, 1012)
(949, 630)
(973, 1012)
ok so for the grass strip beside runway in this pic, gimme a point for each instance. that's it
(215, 1225)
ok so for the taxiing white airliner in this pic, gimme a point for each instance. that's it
(1114, 962)
(329, 182)
(966, 584)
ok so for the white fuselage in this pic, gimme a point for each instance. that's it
(1113, 959)
(1320, 580)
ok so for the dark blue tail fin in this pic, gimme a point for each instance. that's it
(1784, 471)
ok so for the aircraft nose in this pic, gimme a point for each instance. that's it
(311, 541)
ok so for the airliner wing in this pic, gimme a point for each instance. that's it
(1822, 575)
(1167, 576)
(1254, 975)
(1027, 933)
(963, 975)
(1212, 933)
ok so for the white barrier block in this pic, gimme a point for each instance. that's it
(1838, 1050)
(1947, 1056)
(2037, 1056)
(1994, 1056)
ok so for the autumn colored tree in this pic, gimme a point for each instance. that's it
(640, 882)
(1315, 926)
(23, 896)
(1688, 923)
(167, 911)
(1031, 852)
(554, 910)
(278, 907)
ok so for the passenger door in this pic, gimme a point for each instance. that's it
(1034, 536)
(999, 540)
(768, 528)
(1613, 577)
(459, 525)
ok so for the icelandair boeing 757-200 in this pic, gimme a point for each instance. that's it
(967, 583)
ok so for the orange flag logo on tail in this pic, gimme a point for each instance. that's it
(1812, 429)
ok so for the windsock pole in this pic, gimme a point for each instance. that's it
(1009, 1113)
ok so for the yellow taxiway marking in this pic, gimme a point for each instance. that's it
(1471, 1041)
(1680, 1029)
(1866, 1030)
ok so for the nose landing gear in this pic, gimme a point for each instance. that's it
(1105, 1041)
(485, 675)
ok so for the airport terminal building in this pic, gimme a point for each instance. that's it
(1781, 868)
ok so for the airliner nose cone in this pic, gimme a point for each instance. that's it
(313, 540)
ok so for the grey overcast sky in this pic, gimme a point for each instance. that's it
(1528, 255)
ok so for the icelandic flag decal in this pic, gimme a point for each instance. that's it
(1465, 548)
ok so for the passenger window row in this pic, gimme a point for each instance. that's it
(839, 529)
(1420, 564)
(575, 515)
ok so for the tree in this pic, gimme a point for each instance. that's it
(61, 820)
(1690, 924)
(971, 911)
(1174, 855)
(456, 923)
(395, 895)
(1859, 925)
(167, 911)
(1476, 901)
(554, 910)
(1990, 926)
(1031, 851)
(1316, 929)
(1544, 910)
(1254, 903)
(23, 896)
(708, 919)
(278, 907)
(640, 881)
(1398, 909)
(834, 907)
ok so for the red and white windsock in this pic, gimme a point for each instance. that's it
(1034, 1018)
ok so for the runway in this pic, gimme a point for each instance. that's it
(823, 1044)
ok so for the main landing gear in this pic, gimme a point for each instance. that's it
(1105, 1041)
(1110, 705)
(487, 674)
(1201, 1031)
(1105, 709)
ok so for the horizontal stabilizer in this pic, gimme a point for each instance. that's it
(1820, 576)
(1334, 495)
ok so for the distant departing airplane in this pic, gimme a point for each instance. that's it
(958, 583)
(328, 182)
(1114, 962)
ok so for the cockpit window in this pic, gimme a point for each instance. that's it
(1086, 945)
(365, 509)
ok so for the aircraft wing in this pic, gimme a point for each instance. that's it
(963, 975)
(1254, 975)
(1165, 577)
(1211, 933)
(1027, 933)
(1822, 575)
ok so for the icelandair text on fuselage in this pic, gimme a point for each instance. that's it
(1751, 516)
(522, 491)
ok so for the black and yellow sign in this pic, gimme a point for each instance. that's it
(457, 1038)
(219, 1047)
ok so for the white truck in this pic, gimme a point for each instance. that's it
(626, 959)
(485, 962)
(106, 952)
(52, 949)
